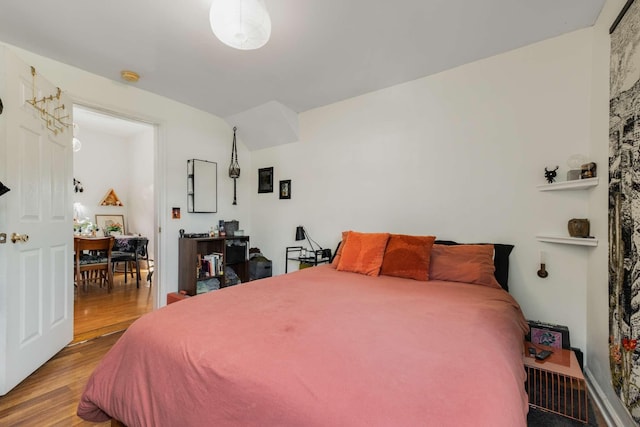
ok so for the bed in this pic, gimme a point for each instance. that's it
(321, 346)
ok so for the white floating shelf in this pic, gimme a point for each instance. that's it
(579, 241)
(577, 184)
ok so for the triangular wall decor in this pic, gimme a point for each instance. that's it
(111, 199)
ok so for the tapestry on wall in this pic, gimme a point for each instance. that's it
(624, 207)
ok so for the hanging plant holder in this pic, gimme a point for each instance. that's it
(234, 167)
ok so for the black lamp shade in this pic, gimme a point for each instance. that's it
(3, 189)
(299, 232)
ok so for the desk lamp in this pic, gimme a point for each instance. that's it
(301, 234)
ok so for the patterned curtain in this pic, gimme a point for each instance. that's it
(624, 207)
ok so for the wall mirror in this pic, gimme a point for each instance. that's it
(202, 186)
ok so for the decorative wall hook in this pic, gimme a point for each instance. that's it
(50, 108)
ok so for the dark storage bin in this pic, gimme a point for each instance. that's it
(259, 268)
(236, 254)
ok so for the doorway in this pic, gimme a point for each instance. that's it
(113, 168)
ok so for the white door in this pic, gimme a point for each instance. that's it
(36, 280)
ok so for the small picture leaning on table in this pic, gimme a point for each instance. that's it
(111, 225)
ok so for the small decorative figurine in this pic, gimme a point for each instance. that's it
(550, 175)
(588, 171)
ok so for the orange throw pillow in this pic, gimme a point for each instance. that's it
(407, 256)
(363, 253)
(338, 255)
(464, 263)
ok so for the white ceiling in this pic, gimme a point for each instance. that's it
(96, 121)
(320, 52)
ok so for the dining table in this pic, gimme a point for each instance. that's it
(128, 247)
(122, 242)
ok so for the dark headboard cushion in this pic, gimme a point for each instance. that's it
(500, 259)
(335, 252)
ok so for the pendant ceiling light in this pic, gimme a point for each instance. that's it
(241, 24)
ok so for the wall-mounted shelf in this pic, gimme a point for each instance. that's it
(578, 241)
(110, 199)
(578, 184)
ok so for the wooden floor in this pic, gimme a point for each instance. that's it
(98, 312)
(49, 396)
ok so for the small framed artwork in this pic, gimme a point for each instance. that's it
(556, 336)
(265, 180)
(110, 224)
(175, 213)
(285, 189)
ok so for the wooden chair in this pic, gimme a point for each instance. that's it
(93, 254)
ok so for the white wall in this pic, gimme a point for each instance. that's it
(457, 155)
(140, 172)
(183, 133)
(101, 165)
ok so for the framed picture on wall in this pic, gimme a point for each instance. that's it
(265, 180)
(285, 189)
(111, 224)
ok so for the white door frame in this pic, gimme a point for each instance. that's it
(159, 186)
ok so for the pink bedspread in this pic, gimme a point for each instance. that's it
(319, 347)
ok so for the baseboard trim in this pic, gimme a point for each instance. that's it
(600, 399)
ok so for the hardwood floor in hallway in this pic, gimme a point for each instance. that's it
(98, 312)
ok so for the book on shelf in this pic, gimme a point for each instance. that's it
(211, 265)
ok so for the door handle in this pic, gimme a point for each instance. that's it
(15, 237)
(3, 238)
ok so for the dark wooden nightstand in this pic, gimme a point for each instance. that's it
(294, 253)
